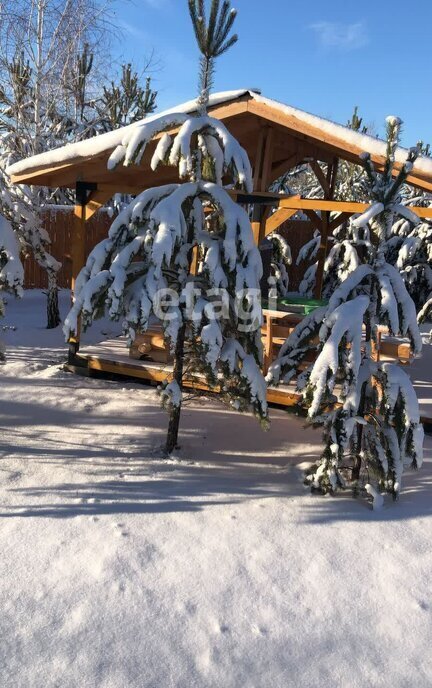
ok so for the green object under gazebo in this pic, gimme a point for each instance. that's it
(296, 304)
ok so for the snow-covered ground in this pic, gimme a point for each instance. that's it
(214, 570)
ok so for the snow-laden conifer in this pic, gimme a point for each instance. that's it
(280, 261)
(20, 205)
(211, 315)
(11, 269)
(368, 410)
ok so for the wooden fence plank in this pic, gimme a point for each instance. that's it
(59, 225)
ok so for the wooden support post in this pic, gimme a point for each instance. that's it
(256, 223)
(267, 160)
(258, 160)
(78, 242)
(322, 254)
(89, 200)
(268, 346)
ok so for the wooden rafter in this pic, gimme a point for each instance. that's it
(267, 160)
(258, 159)
(342, 217)
(279, 168)
(277, 219)
(314, 218)
(333, 169)
(319, 174)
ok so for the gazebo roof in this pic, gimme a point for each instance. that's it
(297, 136)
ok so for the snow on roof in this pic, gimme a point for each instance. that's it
(107, 142)
(374, 146)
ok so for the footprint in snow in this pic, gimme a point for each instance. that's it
(190, 608)
(14, 476)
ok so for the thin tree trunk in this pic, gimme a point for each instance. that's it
(174, 419)
(38, 81)
(357, 465)
(53, 312)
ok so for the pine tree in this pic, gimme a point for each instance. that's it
(126, 102)
(20, 205)
(280, 262)
(368, 410)
(213, 38)
(210, 317)
(410, 251)
(50, 95)
(350, 185)
(11, 269)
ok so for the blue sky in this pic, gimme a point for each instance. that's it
(321, 57)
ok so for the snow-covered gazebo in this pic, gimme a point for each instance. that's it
(276, 138)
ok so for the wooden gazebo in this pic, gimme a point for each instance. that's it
(276, 137)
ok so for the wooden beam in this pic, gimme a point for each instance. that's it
(265, 179)
(350, 207)
(320, 204)
(323, 204)
(342, 217)
(288, 164)
(258, 159)
(277, 219)
(322, 254)
(256, 223)
(78, 242)
(96, 201)
(82, 213)
(314, 218)
(319, 174)
(333, 169)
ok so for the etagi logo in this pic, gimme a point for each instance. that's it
(212, 304)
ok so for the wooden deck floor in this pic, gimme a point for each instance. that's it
(112, 356)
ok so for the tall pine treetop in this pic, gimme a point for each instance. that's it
(213, 40)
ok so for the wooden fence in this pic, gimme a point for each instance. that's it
(59, 223)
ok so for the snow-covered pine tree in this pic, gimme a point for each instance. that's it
(50, 94)
(280, 261)
(351, 180)
(20, 205)
(368, 410)
(127, 101)
(410, 248)
(349, 186)
(11, 269)
(143, 268)
(308, 253)
(410, 251)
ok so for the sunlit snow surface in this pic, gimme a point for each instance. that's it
(214, 569)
